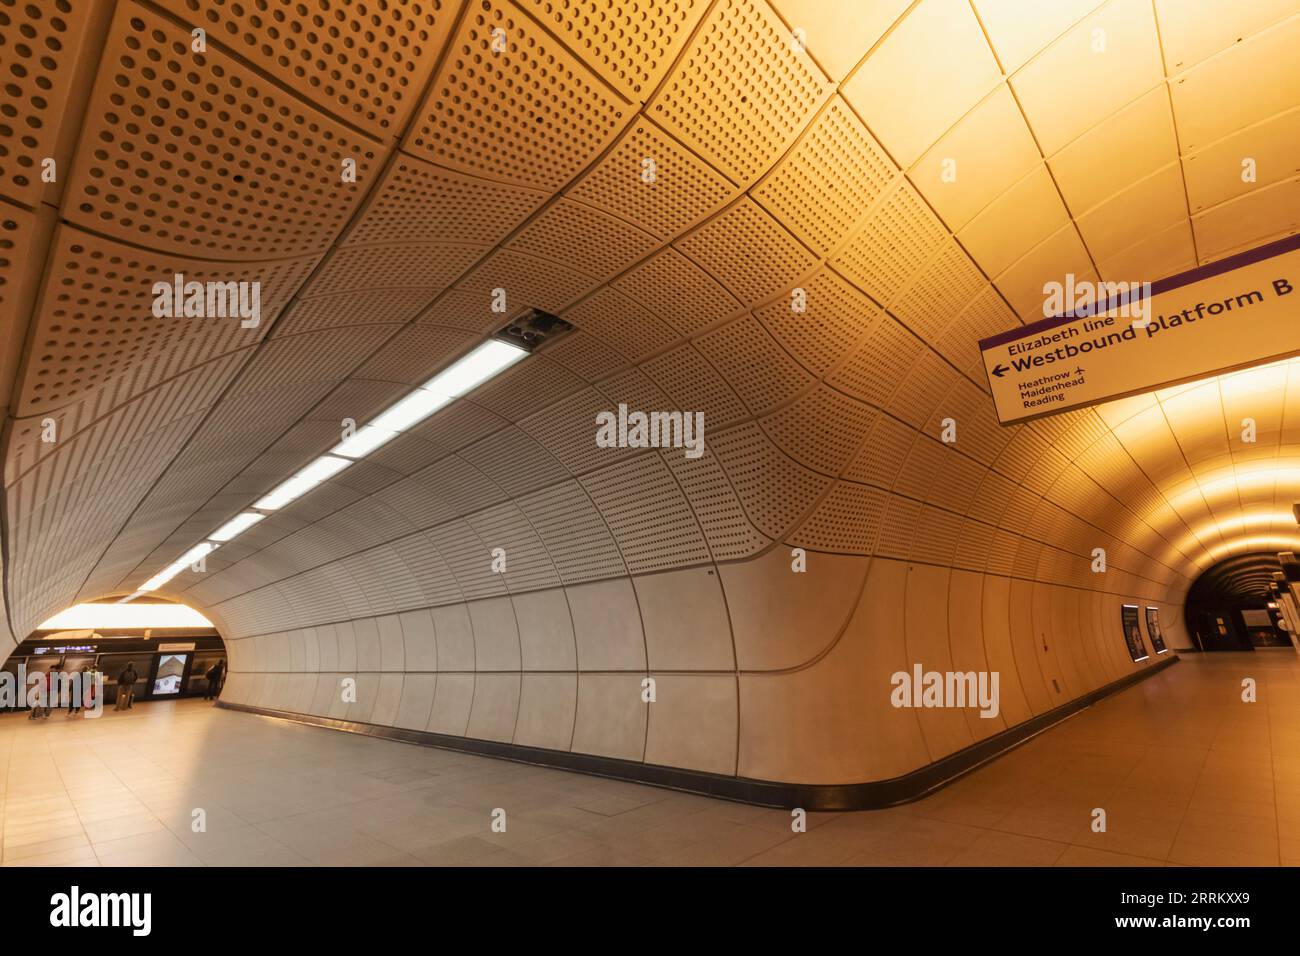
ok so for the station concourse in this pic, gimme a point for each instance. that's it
(680, 432)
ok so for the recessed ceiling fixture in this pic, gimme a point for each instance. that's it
(200, 550)
(326, 466)
(491, 358)
(241, 522)
(464, 375)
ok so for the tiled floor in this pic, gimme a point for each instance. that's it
(1186, 772)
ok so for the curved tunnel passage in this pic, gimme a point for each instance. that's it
(802, 242)
(170, 652)
(1235, 605)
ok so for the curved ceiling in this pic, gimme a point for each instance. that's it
(663, 175)
(1241, 577)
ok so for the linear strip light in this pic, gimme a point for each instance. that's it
(414, 408)
(363, 441)
(236, 525)
(200, 550)
(464, 375)
(323, 467)
(489, 359)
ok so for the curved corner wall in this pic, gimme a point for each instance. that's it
(769, 685)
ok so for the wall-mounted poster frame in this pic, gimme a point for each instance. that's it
(1128, 614)
(1153, 629)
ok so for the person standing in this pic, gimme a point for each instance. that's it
(214, 675)
(81, 692)
(126, 687)
(51, 693)
(41, 705)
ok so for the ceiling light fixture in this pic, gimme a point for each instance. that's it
(363, 441)
(236, 525)
(491, 358)
(464, 375)
(414, 408)
(326, 466)
(200, 550)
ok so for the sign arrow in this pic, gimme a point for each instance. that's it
(1192, 325)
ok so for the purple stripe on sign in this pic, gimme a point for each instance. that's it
(1249, 257)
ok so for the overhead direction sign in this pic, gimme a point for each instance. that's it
(1230, 314)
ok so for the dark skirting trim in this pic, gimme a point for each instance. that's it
(765, 793)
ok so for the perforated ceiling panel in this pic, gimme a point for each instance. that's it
(42, 43)
(630, 44)
(364, 62)
(742, 91)
(546, 114)
(193, 153)
(96, 320)
(794, 231)
(419, 202)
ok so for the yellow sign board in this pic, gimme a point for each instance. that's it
(1120, 339)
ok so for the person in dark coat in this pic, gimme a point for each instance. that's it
(126, 687)
(214, 674)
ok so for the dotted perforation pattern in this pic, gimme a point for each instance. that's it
(40, 43)
(651, 521)
(832, 318)
(609, 245)
(16, 229)
(415, 355)
(650, 179)
(419, 202)
(749, 252)
(529, 282)
(774, 490)
(679, 292)
(830, 181)
(432, 266)
(893, 245)
(631, 43)
(369, 307)
(362, 60)
(729, 532)
(820, 430)
(752, 363)
(621, 324)
(96, 317)
(741, 93)
(192, 152)
(530, 114)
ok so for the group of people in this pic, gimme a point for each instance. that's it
(52, 693)
(126, 682)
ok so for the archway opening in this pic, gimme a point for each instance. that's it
(1230, 607)
(172, 650)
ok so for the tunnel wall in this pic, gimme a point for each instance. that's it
(761, 673)
(807, 174)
